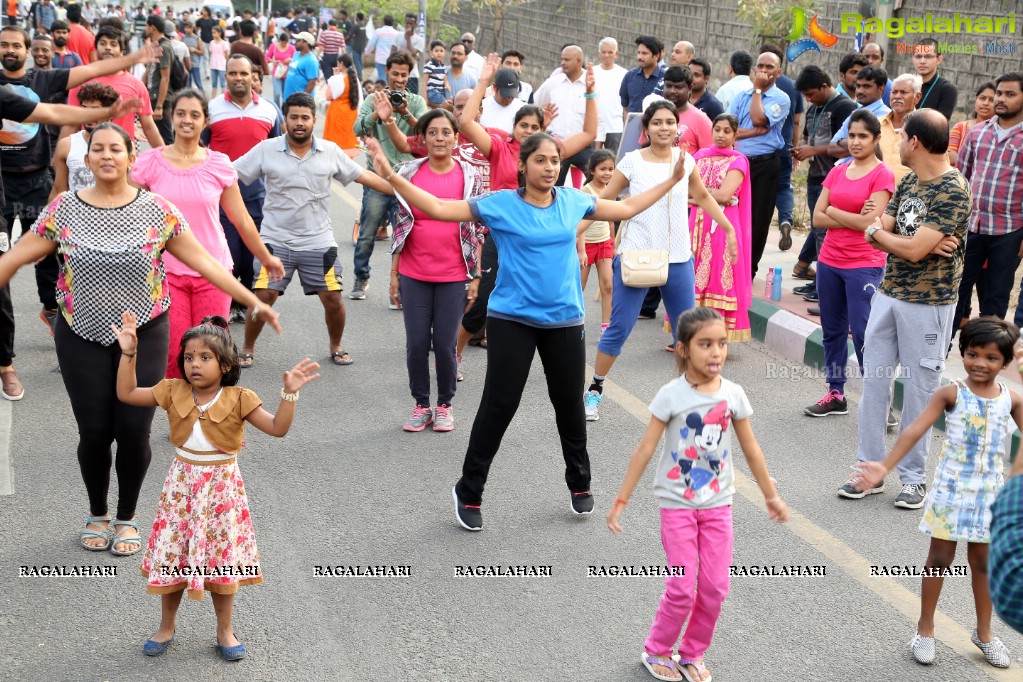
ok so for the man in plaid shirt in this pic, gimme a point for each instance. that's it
(991, 158)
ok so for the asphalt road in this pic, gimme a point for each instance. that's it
(348, 488)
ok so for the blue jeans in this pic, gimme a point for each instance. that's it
(381, 72)
(785, 200)
(845, 295)
(218, 76)
(357, 61)
(243, 261)
(679, 294)
(278, 90)
(376, 207)
(196, 73)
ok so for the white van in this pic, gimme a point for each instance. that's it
(224, 7)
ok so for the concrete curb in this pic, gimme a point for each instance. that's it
(802, 341)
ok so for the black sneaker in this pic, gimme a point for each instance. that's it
(468, 516)
(833, 403)
(911, 497)
(850, 493)
(647, 315)
(582, 503)
(811, 296)
(237, 316)
(805, 289)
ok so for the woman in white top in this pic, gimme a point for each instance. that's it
(665, 225)
(70, 171)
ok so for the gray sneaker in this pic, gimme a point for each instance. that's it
(443, 418)
(785, 243)
(911, 497)
(850, 493)
(923, 649)
(419, 419)
(359, 290)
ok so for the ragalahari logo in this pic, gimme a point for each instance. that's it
(818, 36)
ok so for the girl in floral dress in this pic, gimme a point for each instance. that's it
(978, 413)
(202, 536)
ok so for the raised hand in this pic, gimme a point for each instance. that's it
(550, 112)
(380, 163)
(591, 82)
(382, 105)
(300, 375)
(148, 54)
(127, 337)
(490, 67)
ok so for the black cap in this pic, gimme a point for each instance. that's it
(506, 82)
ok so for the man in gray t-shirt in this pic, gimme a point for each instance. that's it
(298, 169)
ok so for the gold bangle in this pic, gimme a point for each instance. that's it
(289, 397)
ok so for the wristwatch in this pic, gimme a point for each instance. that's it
(871, 230)
(758, 91)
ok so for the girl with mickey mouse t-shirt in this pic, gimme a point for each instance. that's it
(694, 484)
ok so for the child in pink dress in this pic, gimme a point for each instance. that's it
(202, 538)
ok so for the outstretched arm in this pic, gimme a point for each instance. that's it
(580, 141)
(438, 209)
(468, 125)
(280, 423)
(30, 248)
(612, 211)
(701, 196)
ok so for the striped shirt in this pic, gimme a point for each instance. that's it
(332, 42)
(991, 158)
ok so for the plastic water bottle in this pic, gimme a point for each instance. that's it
(776, 285)
(769, 287)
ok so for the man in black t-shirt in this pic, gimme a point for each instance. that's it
(204, 24)
(29, 114)
(937, 93)
(823, 120)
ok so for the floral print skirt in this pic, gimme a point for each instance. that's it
(202, 537)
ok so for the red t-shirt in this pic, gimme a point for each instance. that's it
(127, 86)
(433, 248)
(81, 40)
(845, 247)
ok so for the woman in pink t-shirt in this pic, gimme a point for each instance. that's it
(849, 269)
(199, 182)
(435, 272)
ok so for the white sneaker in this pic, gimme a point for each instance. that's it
(593, 406)
(923, 649)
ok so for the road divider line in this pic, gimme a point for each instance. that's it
(6, 471)
(844, 557)
(345, 196)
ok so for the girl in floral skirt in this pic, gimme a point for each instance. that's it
(202, 536)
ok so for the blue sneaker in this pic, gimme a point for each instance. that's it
(593, 406)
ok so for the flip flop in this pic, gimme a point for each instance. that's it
(700, 670)
(245, 360)
(650, 661)
(341, 358)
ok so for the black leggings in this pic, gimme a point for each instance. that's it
(474, 320)
(510, 350)
(89, 371)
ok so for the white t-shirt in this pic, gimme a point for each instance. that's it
(474, 62)
(609, 102)
(649, 229)
(418, 43)
(496, 116)
(695, 468)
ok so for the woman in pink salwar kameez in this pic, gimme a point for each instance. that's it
(722, 284)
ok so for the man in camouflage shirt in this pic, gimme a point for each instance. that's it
(911, 315)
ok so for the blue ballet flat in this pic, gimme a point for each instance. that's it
(151, 648)
(231, 653)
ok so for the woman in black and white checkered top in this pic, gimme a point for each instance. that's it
(111, 237)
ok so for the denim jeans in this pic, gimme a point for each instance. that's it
(278, 90)
(196, 73)
(375, 208)
(786, 200)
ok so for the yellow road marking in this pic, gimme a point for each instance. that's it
(848, 560)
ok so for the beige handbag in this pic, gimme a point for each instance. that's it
(646, 268)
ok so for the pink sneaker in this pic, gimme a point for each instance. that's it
(444, 420)
(420, 418)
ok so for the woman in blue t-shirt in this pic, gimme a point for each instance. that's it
(537, 305)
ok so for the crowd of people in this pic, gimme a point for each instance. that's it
(498, 200)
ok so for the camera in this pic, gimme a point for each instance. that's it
(396, 97)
